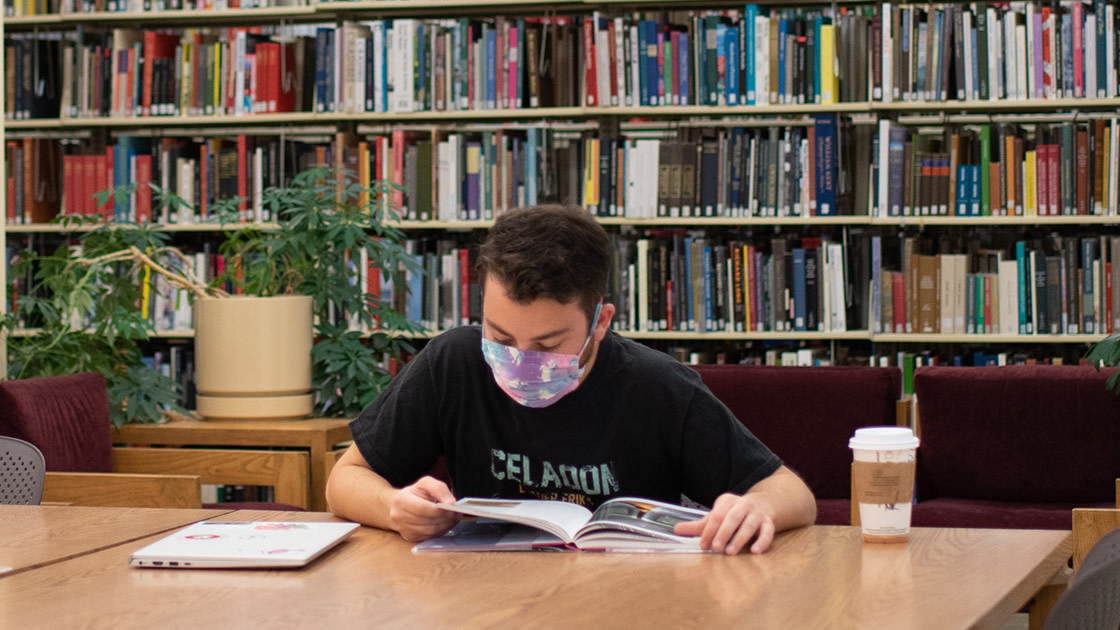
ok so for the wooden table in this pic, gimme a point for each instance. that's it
(817, 577)
(319, 436)
(36, 536)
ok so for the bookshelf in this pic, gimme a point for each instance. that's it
(489, 108)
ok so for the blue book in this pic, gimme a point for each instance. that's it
(732, 39)
(783, 25)
(650, 78)
(420, 69)
(491, 59)
(721, 55)
(974, 198)
(799, 291)
(824, 127)
(962, 208)
(751, 57)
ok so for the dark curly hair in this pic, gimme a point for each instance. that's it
(551, 251)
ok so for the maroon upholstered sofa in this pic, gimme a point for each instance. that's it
(806, 415)
(1014, 446)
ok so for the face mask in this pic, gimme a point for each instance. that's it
(532, 377)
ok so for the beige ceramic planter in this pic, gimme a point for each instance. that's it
(253, 357)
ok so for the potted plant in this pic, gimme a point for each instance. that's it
(1106, 353)
(84, 308)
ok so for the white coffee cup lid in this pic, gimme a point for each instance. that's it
(879, 438)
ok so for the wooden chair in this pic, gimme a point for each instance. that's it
(117, 490)
(282, 470)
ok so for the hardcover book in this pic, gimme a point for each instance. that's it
(621, 524)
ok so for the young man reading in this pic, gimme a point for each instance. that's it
(544, 401)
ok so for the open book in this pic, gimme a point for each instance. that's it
(621, 524)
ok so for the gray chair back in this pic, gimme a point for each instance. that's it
(21, 472)
(1093, 599)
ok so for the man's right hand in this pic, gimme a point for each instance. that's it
(413, 515)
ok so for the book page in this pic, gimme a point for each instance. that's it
(643, 517)
(555, 517)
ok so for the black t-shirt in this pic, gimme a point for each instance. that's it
(641, 425)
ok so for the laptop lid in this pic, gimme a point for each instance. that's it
(224, 544)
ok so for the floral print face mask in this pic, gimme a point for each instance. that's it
(535, 378)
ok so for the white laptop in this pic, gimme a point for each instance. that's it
(224, 544)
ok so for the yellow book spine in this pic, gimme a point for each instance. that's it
(828, 65)
(1030, 184)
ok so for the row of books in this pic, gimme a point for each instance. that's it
(992, 51)
(691, 282)
(23, 8)
(687, 281)
(694, 282)
(170, 181)
(820, 167)
(727, 57)
(1066, 168)
(1058, 285)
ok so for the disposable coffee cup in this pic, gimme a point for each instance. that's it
(884, 465)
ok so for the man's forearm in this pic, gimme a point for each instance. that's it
(357, 493)
(792, 503)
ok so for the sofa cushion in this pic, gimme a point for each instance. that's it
(66, 417)
(996, 514)
(806, 414)
(1022, 434)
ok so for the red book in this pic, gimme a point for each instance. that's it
(513, 59)
(103, 178)
(1054, 156)
(397, 177)
(285, 89)
(1047, 60)
(1042, 178)
(243, 175)
(10, 153)
(464, 286)
(611, 35)
(69, 184)
(144, 188)
(159, 49)
(898, 301)
(591, 76)
(1081, 171)
(752, 287)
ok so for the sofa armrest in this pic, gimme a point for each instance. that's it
(122, 490)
